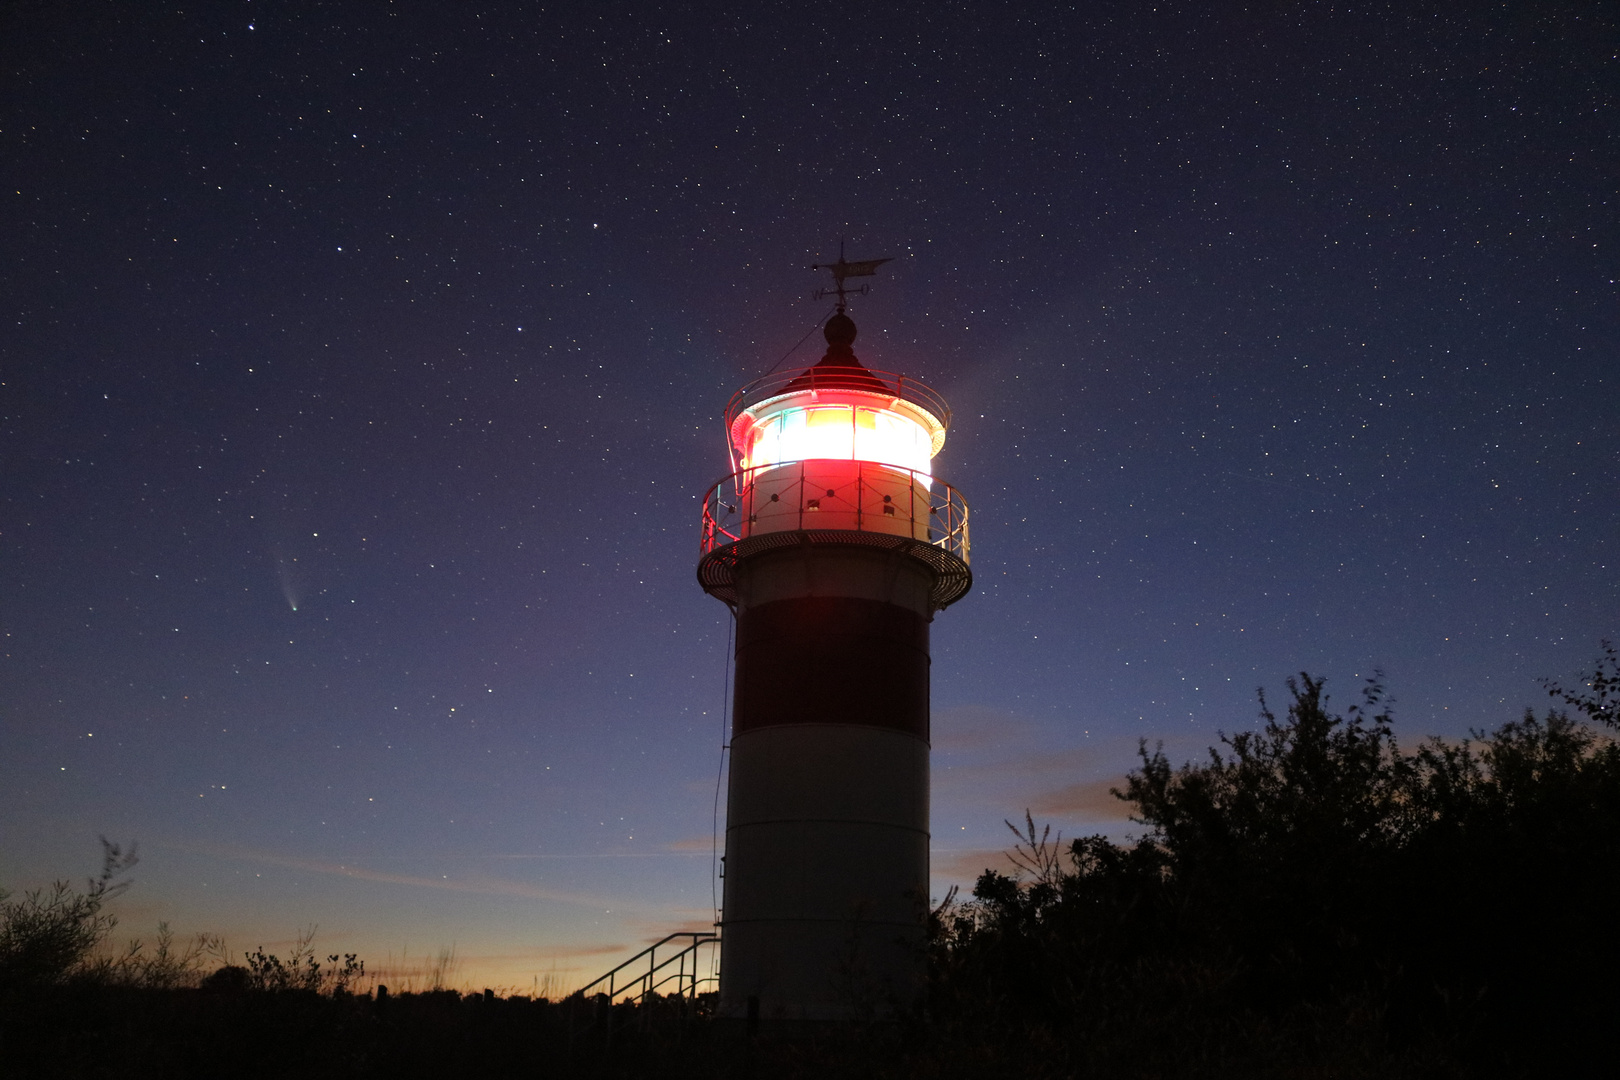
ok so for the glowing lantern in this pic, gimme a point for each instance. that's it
(837, 446)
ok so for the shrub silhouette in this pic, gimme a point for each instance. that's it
(50, 935)
(1310, 894)
(265, 972)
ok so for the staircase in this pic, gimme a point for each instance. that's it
(645, 973)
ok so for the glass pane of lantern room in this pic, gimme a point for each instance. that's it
(786, 436)
(828, 433)
(764, 443)
(892, 439)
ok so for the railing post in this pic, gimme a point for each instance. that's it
(860, 494)
(928, 512)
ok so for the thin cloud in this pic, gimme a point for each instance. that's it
(704, 844)
(686, 921)
(1091, 800)
(965, 866)
(566, 952)
(1071, 779)
(973, 727)
(658, 854)
(481, 884)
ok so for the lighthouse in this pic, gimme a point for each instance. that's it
(834, 544)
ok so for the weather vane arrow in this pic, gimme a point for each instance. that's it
(842, 269)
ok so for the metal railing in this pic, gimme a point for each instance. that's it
(862, 499)
(636, 987)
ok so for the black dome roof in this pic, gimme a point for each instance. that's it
(838, 369)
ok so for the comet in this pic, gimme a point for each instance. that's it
(287, 574)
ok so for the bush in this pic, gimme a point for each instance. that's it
(266, 972)
(51, 935)
(1310, 896)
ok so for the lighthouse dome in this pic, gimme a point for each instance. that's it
(839, 369)
(840, 330)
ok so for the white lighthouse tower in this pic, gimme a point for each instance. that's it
(835, 545)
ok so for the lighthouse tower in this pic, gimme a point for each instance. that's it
(834, 544)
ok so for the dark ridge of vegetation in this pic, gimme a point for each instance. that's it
(1312, 900)
(1309, 901)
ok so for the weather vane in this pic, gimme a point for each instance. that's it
(844, 269)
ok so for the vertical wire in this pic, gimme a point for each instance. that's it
(725, 719)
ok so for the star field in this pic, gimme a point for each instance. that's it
(363, 372)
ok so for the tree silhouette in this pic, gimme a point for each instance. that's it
(1310, 893)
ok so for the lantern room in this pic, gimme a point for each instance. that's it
(837, 410)
(843, 424)
(836, 446)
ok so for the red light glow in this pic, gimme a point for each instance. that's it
(840, 431)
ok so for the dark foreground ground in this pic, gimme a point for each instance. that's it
(124, 1032)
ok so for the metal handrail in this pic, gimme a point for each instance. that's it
(946, 527)
(687, 982)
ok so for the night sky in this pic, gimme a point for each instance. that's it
(363, 368)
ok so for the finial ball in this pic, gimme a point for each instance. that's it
(840, 330)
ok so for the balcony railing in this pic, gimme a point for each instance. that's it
(835, 501)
